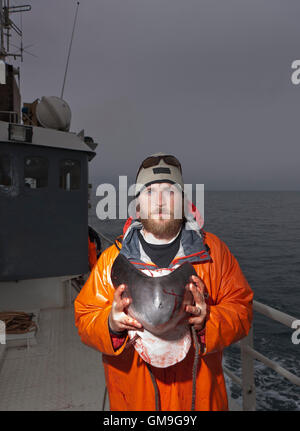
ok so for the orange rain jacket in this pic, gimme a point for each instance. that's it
(92, 254)
(127, 377)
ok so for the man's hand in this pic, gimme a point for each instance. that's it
(118, 320)
(199, 310)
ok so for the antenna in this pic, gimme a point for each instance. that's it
(6, 25)
(22, 48)
(63, 87)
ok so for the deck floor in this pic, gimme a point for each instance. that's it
(59, 373)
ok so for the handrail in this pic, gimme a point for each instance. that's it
(248, 353)
(274, 314)
(272, 364)
(12, 114)
(233, 376)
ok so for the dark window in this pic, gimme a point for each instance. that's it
(35, 172)
(5, 170)
(69, 176)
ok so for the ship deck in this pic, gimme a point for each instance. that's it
(58, 373)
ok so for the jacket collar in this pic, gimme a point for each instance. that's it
(191, 243)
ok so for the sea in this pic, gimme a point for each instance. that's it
(262, 230)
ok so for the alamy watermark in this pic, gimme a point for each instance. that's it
(295, 76)
(2, 332)
(296, 334)
(127, 204)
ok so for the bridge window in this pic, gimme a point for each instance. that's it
(5, 170)
(36, 172)
(70, 173)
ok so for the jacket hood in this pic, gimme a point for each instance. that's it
(194, 249)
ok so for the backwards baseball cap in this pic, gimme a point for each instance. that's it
(158, 168)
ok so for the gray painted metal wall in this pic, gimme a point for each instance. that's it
(43, 231)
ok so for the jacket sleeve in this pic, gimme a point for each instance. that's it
(93, 304)
(230, 314)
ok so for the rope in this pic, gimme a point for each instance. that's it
(194, 375)
(132, 341)
(17, 322)
(195, 366)
(157, 398)
(104, 398)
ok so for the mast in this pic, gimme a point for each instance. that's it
(10, 98)
(6, 28)
(66, 70)
(1, 30)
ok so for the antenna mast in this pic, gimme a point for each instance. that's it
(1, 31)
(6, 25)
(63, 87)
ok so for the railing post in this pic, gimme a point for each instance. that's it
(248, 388)
(2, 332)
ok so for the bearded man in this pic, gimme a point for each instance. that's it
(156, 359)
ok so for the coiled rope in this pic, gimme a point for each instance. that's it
(17, 322)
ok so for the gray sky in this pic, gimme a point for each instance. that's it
(208, 81)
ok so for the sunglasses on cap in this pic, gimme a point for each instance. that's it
(154, 160)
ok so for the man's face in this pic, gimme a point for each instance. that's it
(161, 210)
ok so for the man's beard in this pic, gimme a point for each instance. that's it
(162, 228)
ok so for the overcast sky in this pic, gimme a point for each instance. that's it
(208, 81)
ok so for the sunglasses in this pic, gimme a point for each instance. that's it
(154, 161)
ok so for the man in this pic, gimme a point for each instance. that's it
(144, 371)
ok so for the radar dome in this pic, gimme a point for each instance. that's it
(54, 113)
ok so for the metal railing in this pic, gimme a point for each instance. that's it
(248, 354)
(13, 116)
